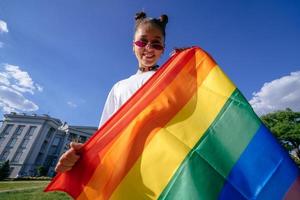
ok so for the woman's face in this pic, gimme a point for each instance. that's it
(148, 56)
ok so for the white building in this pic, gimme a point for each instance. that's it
(31, 141)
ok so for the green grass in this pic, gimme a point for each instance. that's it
(7, 185)
(31, 190)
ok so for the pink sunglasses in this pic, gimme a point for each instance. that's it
(156, 46)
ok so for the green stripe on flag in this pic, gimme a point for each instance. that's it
(204, 170)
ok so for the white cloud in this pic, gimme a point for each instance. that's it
(3, 27)
(13, 100)
(4, 79)
(72, 105)
(278, 94)
(14, 82)
(23, 81)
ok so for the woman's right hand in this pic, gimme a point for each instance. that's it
(69, 158)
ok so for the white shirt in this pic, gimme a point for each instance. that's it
(121, 92)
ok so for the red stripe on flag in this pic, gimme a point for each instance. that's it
(73, 182)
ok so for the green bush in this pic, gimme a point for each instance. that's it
(42, 171)
(4, 170)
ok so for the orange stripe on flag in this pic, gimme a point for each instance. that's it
(121, 140)
(125, 151)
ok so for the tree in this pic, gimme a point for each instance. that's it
(4, 170)
(285, 125)
(42, 171)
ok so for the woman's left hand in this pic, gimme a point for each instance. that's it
(177, 50)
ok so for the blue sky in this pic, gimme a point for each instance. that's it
(62, 57)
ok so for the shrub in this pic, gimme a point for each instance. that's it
(42, 171)
(4, 170)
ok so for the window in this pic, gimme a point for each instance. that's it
(7, 129)
(55, 145)
(12, 142)
(5, 154)
(5, 132)
(17, 156)
(44, 146)
(53, 150)
(19, 130)
(56, 141)
(39, 159)
(48, 161)
(27, 137)
(49, 134)
(24, 143)
(31, 130)
(2, 138)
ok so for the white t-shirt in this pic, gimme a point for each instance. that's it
(121, 92)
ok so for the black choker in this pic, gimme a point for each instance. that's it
(145, 69)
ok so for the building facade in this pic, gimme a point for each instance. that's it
(33, 141)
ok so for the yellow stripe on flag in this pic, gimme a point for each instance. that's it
(168, 148)
(115, 156)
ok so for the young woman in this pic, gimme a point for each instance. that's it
(148, 46)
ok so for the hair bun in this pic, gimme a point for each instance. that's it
(163, 19)
(140, 15)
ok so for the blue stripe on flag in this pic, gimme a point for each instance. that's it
(263, 171)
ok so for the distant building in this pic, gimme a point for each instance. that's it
(30, 141)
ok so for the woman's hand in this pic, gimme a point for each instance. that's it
(69, 158)
(177, 50)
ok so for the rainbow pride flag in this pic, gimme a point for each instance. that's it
(188, 133)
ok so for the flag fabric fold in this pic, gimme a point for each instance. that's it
(187, 133)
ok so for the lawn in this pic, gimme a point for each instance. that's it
(31, 190)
